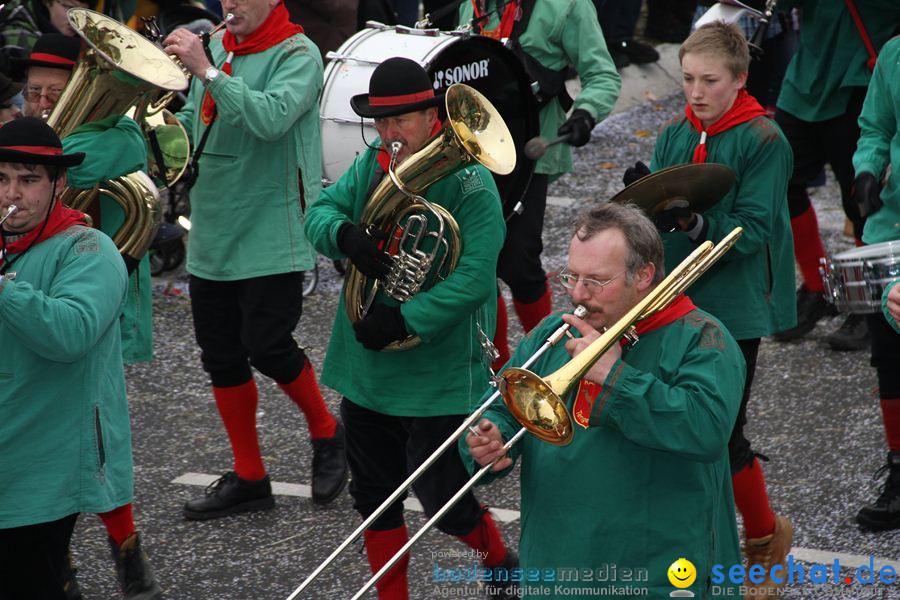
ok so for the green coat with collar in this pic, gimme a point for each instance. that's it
(447, 370)
(262, 163)
(562, 33)
(751, 289)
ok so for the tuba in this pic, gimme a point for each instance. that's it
(118, 72)
(424, 238)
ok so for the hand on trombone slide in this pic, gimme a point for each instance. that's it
(487, 446)
(575, 345)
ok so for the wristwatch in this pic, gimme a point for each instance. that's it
(209, 75)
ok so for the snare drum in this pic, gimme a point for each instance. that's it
(483, 63)
(855, 279)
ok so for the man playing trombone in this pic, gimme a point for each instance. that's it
(645, 480)
(399, 406)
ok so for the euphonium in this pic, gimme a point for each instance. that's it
(424, 238)
(117, 72)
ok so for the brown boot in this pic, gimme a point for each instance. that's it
(769, 551)
(133, 570)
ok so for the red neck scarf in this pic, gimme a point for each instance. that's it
(744, 109)
(511, 14)
(275, 29)
(60, 219)
(384, 155)
(588, 391)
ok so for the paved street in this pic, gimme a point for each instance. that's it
(814, 413)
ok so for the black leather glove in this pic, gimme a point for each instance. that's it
(383, 325)
(578, 127)
(668, 220)
(363, 252)
(632, 174)
(866, 193)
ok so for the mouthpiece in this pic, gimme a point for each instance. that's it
(9, 212)
(395, 147)
(535, 148)
(229, 17)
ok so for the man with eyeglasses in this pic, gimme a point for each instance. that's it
(645, 480)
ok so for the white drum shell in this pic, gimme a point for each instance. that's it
(855, 279)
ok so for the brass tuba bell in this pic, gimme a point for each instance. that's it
(425, 236)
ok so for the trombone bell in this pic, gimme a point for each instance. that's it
(536, 406)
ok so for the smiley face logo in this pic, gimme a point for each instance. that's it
(682, 573)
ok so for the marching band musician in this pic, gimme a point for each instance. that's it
(750, 289)
(549, 36)
(253, 116)
(879, 148)
(645, 480)
(66, 436)
(398, 407)
(112, 147)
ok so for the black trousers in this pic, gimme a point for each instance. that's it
(814, 144)
(383, 450)
(248, 322)
(32, 560)
(519, 263)
(767, 73)
(618, 18)
(739, 451)
(885, 346)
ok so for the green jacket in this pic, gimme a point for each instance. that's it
(562, 33)
(261, 166)
(112, 148)
(751, 289)
(831, 59)
(648, 482)
(878, 146)
(65, 443)
(447, 370)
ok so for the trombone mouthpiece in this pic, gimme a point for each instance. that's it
(395, 147)
(535, 148)
(9, 212)
(229, 17)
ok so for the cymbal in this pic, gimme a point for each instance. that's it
(695, 186)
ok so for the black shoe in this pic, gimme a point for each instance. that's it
(853, 334)
(70, 583)
(885, 513)
(500, 587)
(230, 494)
(638, 53)
(620, 59)
(811, 306)
(329, 467)
(133, 570)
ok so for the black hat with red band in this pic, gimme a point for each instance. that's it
(398, 86)
(52, 50)
(30, 140)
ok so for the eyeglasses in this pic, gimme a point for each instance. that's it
(33, 93)
(592, 286)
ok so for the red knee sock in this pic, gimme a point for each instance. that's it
(486, 538)
(752, 500)
(237, 407)
(501, 335)
(380, 547)
(890, 414)
(119, 523)
(531, 314)
(808, 248)
(305, 393)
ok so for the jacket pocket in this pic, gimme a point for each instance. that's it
(101, 452)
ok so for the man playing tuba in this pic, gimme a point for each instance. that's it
(398, 407)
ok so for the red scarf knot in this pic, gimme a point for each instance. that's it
(60, 219)
(745, 108)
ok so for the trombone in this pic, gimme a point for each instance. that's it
(537, 402)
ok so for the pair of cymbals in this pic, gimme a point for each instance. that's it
(693, 186)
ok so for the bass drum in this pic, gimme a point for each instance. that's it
(483, 63)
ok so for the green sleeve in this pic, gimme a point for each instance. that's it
(690, 413)
(336, 205)
(85, 298)
(884, 309)
(270, 113)
(763, 167)
(583, 44)
(473, 281)
(877, 124)
(111, 149)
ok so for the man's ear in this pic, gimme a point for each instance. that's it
(645, 275)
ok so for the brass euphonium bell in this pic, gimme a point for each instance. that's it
(428, 243)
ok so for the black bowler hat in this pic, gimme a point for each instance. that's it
(52, 50)
(398, 86)
(31, 141)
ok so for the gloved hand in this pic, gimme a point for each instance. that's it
(866, 190)
(632, 174)
(383, 325)
(578, 127)
(363, 252)
(678, 218)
